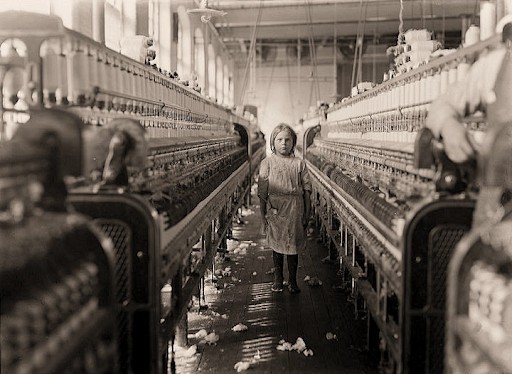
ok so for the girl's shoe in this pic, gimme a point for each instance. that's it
(276, 287)
(294, 289)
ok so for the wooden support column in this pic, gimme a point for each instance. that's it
(372, 336)
(182, 331)
(208, 239)
(223, 217)
(248, 197)
(182, 327)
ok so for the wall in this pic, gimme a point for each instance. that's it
(282, 94)
(284, 91)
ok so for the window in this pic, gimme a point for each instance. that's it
(219, 80)
(184, 54)
(211, 71)
(199, 60)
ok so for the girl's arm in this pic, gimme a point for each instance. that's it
(263, 191)
(263, 211)
(307, 207)
(306, 186)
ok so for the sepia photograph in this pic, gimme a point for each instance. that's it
(259, 186)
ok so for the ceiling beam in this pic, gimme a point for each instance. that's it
(342, 30)
(329, 22)
(348, 39)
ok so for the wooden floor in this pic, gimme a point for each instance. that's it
(244, 296)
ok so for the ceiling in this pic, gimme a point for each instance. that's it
(285, 22)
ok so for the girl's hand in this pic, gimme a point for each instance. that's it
(263, 227)
(305, 221)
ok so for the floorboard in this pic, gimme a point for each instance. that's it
(244, 296)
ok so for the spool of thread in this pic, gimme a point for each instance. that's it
(444, 81)
(500, 9)
(417, 92)
(472, 35)
(487, 19)
(506, 323)
(452, 75)
(427, 89)
(435, 88)
(462, 71)
(507, 7)
(50, 56)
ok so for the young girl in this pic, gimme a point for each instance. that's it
(284, 190)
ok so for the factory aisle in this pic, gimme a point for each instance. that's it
(321, 315)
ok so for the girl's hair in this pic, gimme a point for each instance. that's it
(279, 128)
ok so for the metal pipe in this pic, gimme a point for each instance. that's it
(236, 4)
(466, 22)
(225, 5)
(214, 31)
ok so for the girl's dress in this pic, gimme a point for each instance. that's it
(282, 182)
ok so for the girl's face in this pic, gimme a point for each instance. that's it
(283, 143)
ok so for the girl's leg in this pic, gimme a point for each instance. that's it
(278, 258)
(293, 264)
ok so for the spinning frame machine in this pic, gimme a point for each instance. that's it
(56, 269)
(159, 170)
(392, 207)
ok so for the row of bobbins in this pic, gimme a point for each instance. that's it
(71, 70)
